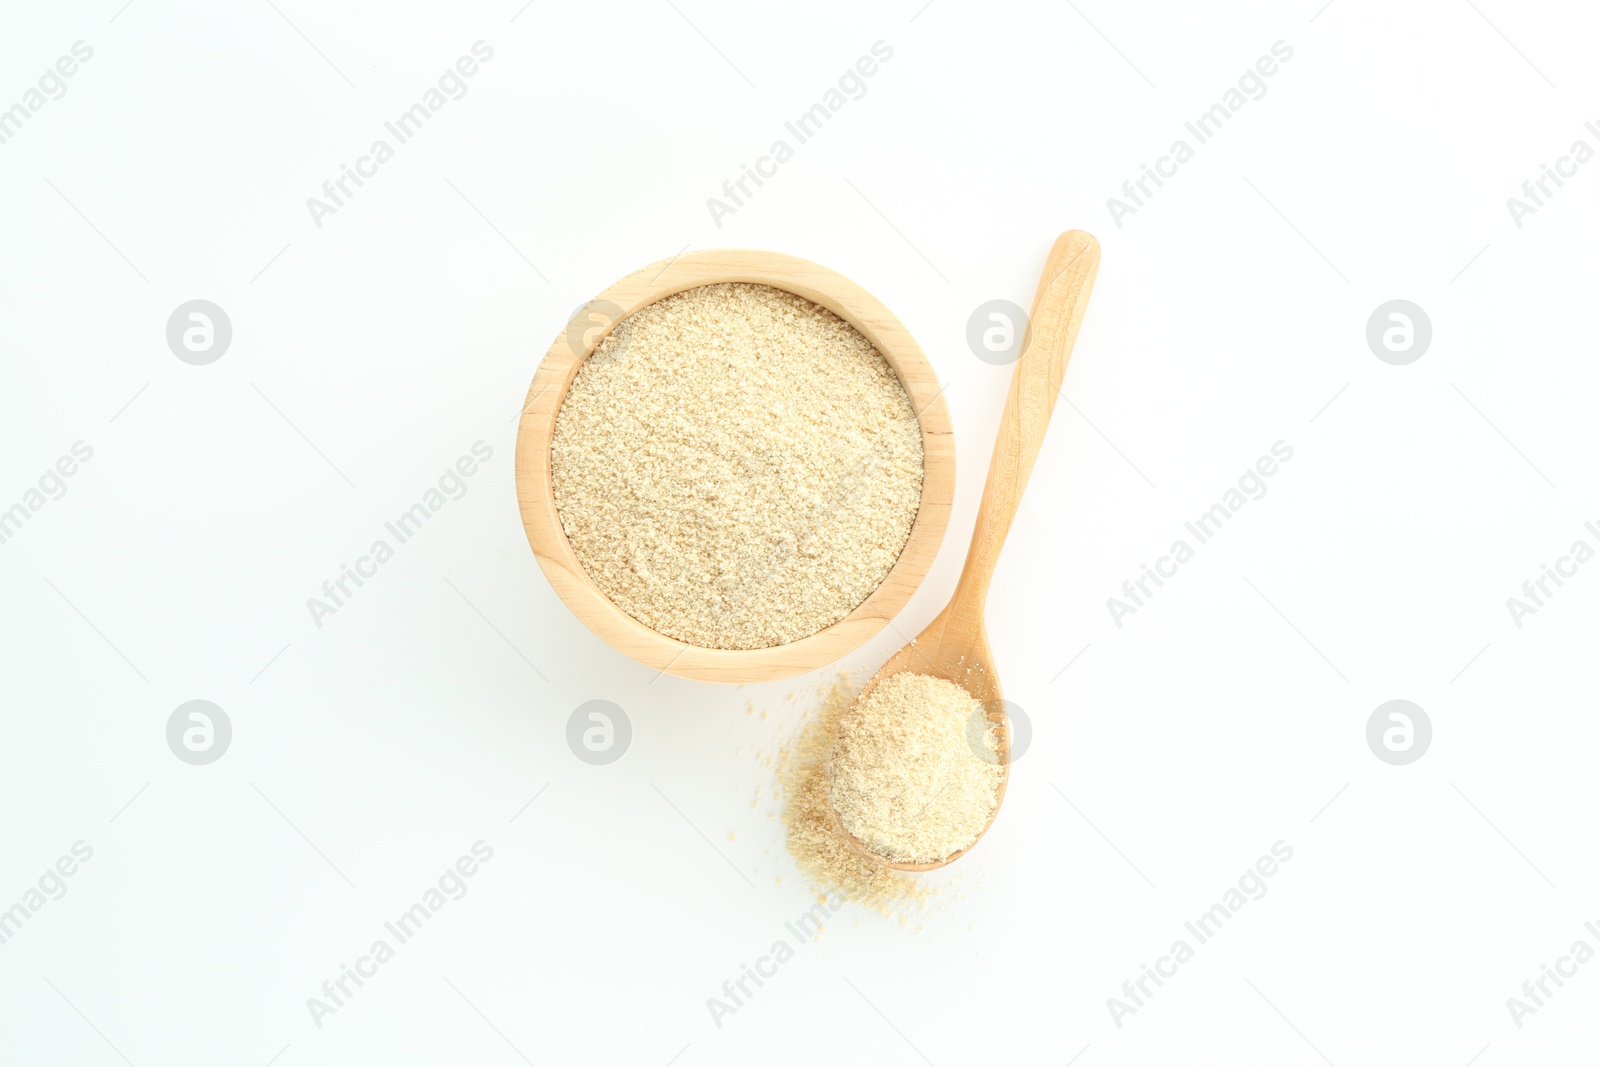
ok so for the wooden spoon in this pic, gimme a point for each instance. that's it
(955, 645)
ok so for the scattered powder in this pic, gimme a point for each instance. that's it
(916, 769)
(736, 467)
(822, 853)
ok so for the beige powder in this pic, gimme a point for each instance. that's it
(916, 769)
(736, 467)
(820, 850)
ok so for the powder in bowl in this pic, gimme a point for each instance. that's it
(736, 467)
(909, 779)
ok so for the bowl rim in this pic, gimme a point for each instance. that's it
(577, 341)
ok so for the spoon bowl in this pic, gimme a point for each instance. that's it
(955, 646)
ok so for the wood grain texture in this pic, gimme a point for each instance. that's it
(955, 645)
(579, 339)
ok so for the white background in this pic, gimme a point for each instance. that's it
(370, 353)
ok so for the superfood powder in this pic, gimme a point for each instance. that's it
(916, 769)
(822, 853)
(736, 467)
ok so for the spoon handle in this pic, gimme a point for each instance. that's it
(1058, 308)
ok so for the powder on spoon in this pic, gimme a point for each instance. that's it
(916, 769)
(736, 467)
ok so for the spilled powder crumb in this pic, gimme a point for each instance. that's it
(823, 855)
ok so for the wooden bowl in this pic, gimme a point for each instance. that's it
(578, 340)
